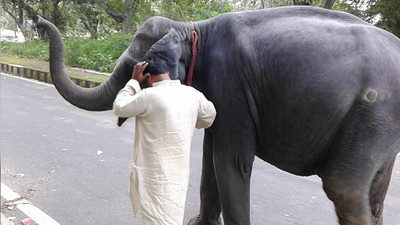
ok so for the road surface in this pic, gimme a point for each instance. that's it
(73, 165)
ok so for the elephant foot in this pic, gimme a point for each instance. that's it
(198, 220)
(377, 220)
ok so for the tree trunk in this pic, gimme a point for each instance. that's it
(302, 2)
(328, 4)
(92, 26)
(262, 4)
(17, 13)
(20, 12)
(95, 26)
(127, 22)
(57, 18)
(124, 18)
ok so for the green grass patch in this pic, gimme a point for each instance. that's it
(44, 66)
(99, 55)
(32, 49)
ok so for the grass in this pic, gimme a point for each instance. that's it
(44, 66)
(98, 55)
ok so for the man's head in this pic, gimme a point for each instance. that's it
(155, 67)
(158, 71)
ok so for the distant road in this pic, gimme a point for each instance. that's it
(10, 35)
(73, 165)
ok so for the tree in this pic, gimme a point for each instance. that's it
(382, 13)
(89, 16)
(15, 8)
(121, 11)
(261, 4)
(21, 10)
(182, 10)
(328, 4)
(59, 16)
(302, 2)
(386, 14)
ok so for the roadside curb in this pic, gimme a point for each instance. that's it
(41, 75)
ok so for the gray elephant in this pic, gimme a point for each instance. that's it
(309, 90)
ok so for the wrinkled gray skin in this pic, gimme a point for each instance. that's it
(308, 90)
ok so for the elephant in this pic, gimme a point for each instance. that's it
(308, 90)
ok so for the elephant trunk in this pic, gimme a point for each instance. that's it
(99, 98)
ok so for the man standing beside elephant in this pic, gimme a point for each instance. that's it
(166, 115)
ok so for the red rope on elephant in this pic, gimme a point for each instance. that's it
(193, 40)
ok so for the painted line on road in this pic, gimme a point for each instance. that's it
(26, 207)
(26, 79)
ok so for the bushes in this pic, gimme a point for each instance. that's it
(32, 49)
(100, 55)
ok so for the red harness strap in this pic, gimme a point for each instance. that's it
(193, 40)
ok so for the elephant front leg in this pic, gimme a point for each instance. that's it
(210, 208)
(233, 161)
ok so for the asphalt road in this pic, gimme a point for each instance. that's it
(50, 154)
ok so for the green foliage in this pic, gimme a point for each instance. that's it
(142, 12)
(389, 13)
(6, 21)
(91, 19)
(382, 13)
(182, 10)
(100, 55)
(116, 5)
(353, 7)
(32, 49)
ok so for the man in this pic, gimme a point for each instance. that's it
(166, 115)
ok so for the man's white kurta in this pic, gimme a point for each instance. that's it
(166, 115)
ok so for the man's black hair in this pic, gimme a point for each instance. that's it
(155, 67)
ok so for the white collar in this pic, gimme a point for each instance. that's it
(167, 83)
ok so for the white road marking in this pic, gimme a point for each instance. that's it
(26, 79)
(26, 207)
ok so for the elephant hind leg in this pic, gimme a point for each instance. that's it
(350, 199)
(378, 191)
(357, 171)
(347, 178)
(359, 201)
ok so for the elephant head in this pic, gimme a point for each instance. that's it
(167, 49)
(158, 37)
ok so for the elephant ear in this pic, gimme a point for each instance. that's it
(167, 49)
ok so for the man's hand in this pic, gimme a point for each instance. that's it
(137, 73)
